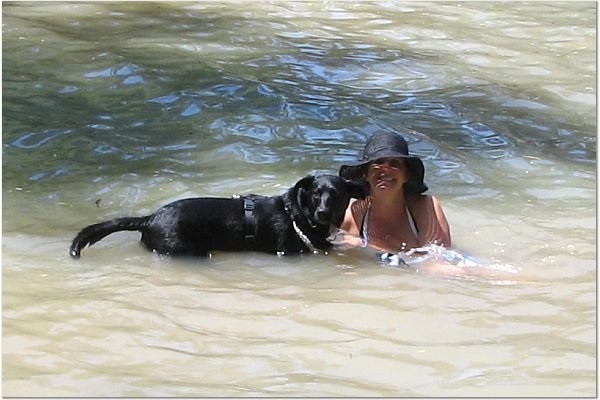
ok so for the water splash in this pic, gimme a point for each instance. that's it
(449, 263)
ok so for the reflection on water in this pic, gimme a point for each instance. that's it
(114, 109)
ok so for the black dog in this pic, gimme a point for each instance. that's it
(298, 221)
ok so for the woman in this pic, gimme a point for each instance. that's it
(395, 216)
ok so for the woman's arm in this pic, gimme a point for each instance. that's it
(348, 235)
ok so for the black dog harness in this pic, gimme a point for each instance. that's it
(249, 225)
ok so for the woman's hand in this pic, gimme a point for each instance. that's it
(342, 240)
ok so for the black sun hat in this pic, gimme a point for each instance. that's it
(386, 145)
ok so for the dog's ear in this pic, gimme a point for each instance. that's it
(305, 183)
(358, 190)
(302, 187)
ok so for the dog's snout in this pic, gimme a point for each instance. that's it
(322, 214)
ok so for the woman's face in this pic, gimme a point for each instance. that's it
(387, 174)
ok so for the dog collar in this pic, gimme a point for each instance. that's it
(301, 234)
(305, 239)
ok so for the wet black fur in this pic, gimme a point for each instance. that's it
(197, 226)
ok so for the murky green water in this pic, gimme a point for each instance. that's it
(114, 109)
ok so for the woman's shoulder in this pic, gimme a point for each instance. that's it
(358, 205)
(423, 206)
(430, 218)
(354, 215)
(422, 201)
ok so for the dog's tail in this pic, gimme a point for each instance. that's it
(93, 233)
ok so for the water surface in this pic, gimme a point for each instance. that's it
(113, 109)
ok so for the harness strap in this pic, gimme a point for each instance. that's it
(249, 225)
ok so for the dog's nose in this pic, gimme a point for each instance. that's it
(322, 215)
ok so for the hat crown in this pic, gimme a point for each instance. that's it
(385, 142)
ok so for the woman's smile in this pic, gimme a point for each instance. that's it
(384, 180)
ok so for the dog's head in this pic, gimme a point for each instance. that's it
(323, 199)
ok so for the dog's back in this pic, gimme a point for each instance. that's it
(197, 226)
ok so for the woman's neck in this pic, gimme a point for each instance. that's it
(389, 205)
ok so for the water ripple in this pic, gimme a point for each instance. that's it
(32, 140)
(217, 97)
(133, 80)
(478, 129)
(164, 100)
(190, 110)
(251, 153)
(113, 71)
(55, 172)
